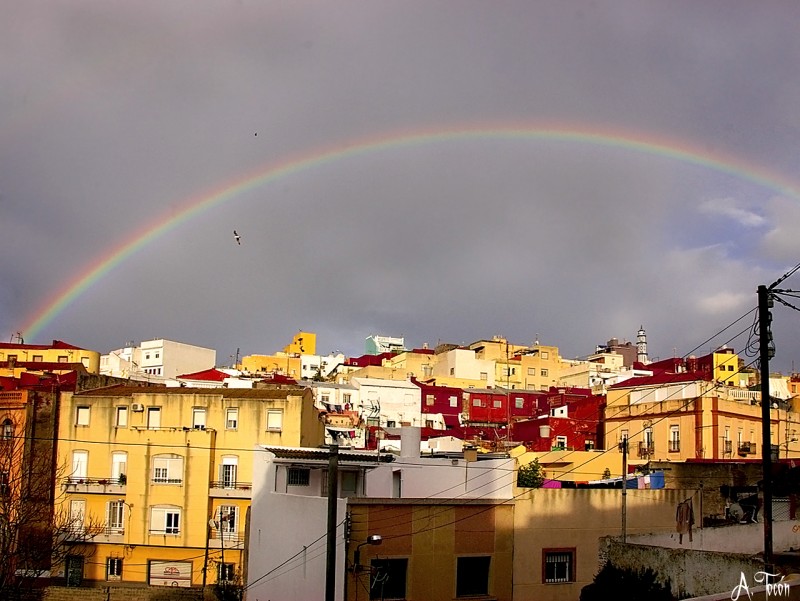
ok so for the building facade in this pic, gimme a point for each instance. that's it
(167, 475)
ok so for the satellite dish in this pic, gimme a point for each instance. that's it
(737, 512)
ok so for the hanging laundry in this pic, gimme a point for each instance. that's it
(684, 520)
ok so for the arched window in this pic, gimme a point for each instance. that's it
(8, 430)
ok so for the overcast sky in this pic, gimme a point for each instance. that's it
(114, 117)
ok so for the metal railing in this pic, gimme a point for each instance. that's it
(235, 485)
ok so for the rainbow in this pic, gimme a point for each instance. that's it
(646, 143)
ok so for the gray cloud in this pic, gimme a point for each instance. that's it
(112, 118)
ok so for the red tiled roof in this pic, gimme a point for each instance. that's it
(208, 375)
(662, 378)
(57, 344)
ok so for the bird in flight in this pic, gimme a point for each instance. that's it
(238, 238)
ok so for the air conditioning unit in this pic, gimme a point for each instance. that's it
(138, 407)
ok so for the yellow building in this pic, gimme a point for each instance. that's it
(417, 363)
(166, 475)
(557, 532)
(21, 357)
(677, 417)
(541, 367)
(303, 343)
(578, 466)
(435, 551)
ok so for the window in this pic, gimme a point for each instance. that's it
(158, 355)
(484, 375)
(454, 401)
(674, 439)
(115, 515)
(588, 445)
(147, 355)
(119, 465)
(325, 398)
(63, 359)
(497, 403)
(227, 471)
(274, 420)
(429, 399)
(531, 371)
(113, 568)
(227, 519)
(80, 462)
(8, 429)
(472, 576)
(232, 418)
(544, 373)
(429, 423)
(545, 355)
(167, 469)
(297, 476)
(348, 484)
(346, 398)
(477, 403)
(558, 565)
(388, 579)
(38, 358)
(165, 520)
(5, 484)
(122, 417)
(153, 418)
(561, 442)
(390, 423)
(519, 403)
(199, 419)
(82, 416)
(225, 572)
(452, 371)
(77, 511)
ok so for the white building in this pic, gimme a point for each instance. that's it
(600, 371)
(463, 363)
(389, 403)
(313, 365)
(157, 359)
(288, 518)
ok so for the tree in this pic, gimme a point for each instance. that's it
(37, 531)
(625, 585)
(531, 475)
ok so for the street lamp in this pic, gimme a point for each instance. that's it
(372, 539)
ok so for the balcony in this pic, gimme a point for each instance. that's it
(727, 448)
(107, 486)
(231, 540)
(747, 448)
(646, 450)
(110, 534)
(230, 490)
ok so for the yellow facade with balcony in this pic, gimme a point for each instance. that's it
(695, 419)
(161, 479)
(12, 354)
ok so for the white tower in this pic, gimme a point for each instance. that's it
(641, 346)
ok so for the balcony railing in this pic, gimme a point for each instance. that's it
(231, 540)
(230, 490)
(95, 485)
(747, 448)
(646, 449)
(727, 447)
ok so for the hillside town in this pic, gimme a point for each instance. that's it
(491, 470)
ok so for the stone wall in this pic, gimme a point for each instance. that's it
(125, 593)
(690, 573)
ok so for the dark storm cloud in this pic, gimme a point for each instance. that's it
(113, 116)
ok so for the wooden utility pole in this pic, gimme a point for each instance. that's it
(624, 447)
(765, 350)
(333, 494)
